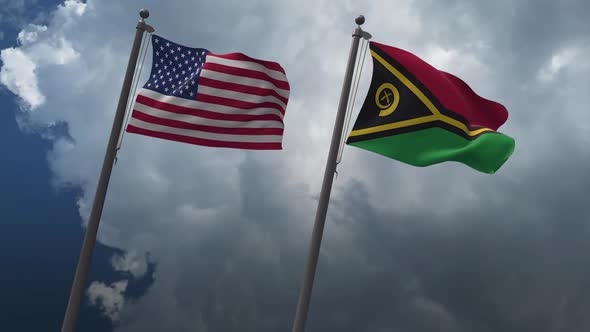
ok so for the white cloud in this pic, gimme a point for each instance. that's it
(30, 34)
(73, 7)
(18, 75)
(108, 298)
(557, 62)
(442, 320)
(131, 262)
(39, 48)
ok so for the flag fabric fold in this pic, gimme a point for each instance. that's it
(218, 100)
(422, 116)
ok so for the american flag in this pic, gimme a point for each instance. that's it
(220, 100)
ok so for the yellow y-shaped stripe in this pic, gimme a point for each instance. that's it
(436, 115)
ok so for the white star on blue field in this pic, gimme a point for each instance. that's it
(173, 74)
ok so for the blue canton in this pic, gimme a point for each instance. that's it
(175, 68)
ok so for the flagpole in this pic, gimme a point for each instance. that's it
(320, 218)
(85, 258)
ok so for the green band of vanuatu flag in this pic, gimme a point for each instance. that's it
(421, 116)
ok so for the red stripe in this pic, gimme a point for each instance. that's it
(237, 103)
(242, 57)
(205, 114)
(245, 73)
(210, 129)
(452, 92)
(241, 88)
(204, 142)
(479, 111)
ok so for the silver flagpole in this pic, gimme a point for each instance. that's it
(320, 218)
(85, 258)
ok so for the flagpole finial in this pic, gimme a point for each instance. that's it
(144, 13)
(359, 20)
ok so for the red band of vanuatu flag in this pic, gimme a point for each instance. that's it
(422, 116)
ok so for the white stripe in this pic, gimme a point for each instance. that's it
(244, 81)
(206, 106)
(206, 135)
(204, 121)
(235, 95)
(277, 75)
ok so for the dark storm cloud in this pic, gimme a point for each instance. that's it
(511, 258)
(242, 276)
(522, 30)
(515, 38)
(515, 265)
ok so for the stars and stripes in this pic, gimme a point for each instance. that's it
(220, 100)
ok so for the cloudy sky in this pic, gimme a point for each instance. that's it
(203, 239)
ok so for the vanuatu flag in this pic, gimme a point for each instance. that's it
(421, 116)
